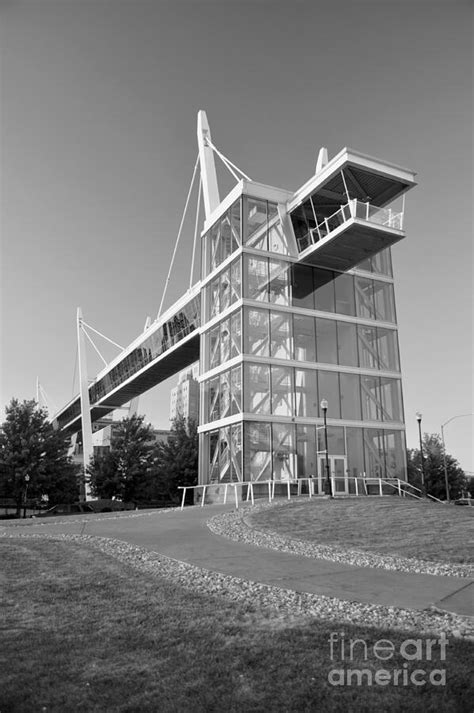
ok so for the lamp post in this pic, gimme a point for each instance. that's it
(324, 408)
(445, 466)
(25, 494)
(418, 418)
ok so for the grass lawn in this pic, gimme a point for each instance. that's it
(83, 632)
(389, 525)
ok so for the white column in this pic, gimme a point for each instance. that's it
(87, 447)
(210, 190)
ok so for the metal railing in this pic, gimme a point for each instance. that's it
(360, 483)
(353, 209)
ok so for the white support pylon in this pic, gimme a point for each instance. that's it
(87, 447)
(210, 189)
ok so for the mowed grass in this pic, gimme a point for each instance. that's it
(387, 525)
(83, 632)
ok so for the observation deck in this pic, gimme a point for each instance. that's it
(343, 215)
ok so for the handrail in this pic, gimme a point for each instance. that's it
(395, 483)
(357, 209)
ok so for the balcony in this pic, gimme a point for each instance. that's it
(354, 232)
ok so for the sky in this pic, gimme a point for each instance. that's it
(98, 143)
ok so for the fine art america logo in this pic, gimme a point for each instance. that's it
(346, 655)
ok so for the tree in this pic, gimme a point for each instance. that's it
(176, 461)
(434, 469)
(33, 457)
(125, 470)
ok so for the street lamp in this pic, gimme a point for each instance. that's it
(25, 494)
(446, 482)
(418, 418)
(324, 408)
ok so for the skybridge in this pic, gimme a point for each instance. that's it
(294, 307)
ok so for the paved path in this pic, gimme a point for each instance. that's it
(185, 536)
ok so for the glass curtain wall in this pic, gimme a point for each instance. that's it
(295, 319)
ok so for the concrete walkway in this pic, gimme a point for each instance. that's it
(185, 536)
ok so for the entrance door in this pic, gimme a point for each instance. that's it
(338, 473)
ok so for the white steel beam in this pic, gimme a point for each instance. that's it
(210, 189)
(87, 447)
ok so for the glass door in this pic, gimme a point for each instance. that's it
(338, 474)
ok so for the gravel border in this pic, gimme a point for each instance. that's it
(235, 526)
(284, 601)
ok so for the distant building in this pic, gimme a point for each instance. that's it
(102, 439)
(185, 395)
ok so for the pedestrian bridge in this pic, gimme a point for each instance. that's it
(169, 345)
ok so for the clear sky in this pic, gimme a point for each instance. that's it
(98, 140)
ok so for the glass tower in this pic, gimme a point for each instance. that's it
(297, 305)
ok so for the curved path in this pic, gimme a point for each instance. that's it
(185, 536)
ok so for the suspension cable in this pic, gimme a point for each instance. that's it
(196, 226)
(75, 370)
(102, 335)
(227, 161)
(91, 341)
(178, 237)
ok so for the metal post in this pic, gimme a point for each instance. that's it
(445, 466)
(25, 495)
(418, 418)
(324, 408)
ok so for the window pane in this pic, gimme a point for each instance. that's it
(391, 399)
(257, 451)
(282, 391)
(214, 347)
(304, 337)
(364, 297)
(225, 394)
(236, 281)
(324, 289)
(236, 389)
(226, 237)
(306, 392)
(257, 332)
(371, 398)
(355, 452)
(345, 299)
(336, 443)
(225, 341)
(347, 344)
(302, 286)
(279, 284)
(214, 245)
(387, 342)
(236, 334)
(277, 242)
(301, 227)
(236, 452)
(280, 335)
(350, 396)
(382, 263)
(214, 457)
(284, 455)
(328, 388)
(306, 451)
(256, 271)
(214, 399)
(367, 339)
(224, 290)
(384, 301)
(236, 225)
(326, 341)
(214, 307)
(395, 454)
(257, 388)
(374, 453)
(256, 230)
